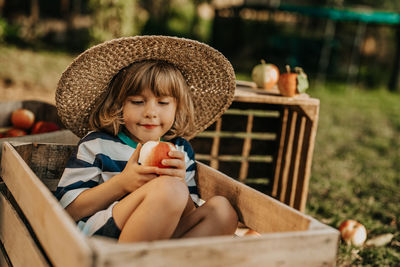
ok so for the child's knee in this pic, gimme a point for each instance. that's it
(170, 192)
(223, 213)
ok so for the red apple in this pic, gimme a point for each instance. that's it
(22, 118)
(14, 132)
(44, 127)
(153, 152)
(353, 232)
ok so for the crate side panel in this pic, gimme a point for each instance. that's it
(250, 205)
(18, 243)
(4, 260)
(54, 229)
(242, 143)
(317, 248)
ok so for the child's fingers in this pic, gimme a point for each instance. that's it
(148, 169)
(135, 156)
(174, 163)
(176, 154)
(171, 172)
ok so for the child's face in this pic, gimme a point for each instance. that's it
(147, 117)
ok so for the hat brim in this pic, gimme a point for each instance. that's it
(209, 75)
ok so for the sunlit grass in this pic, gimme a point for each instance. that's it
(356, 170)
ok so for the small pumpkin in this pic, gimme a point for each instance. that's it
(265, 75)
(293, 83)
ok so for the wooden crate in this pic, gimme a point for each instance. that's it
(35, 229)
(43, 111)
(266, 141)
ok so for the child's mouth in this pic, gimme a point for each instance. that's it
(149, 126)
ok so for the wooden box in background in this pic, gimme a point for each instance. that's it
(265, 141)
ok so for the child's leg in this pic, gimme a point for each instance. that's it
(153, 211)
(215, 217)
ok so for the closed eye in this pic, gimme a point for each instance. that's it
(136, 102)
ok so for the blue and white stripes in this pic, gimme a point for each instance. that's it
(100, 156)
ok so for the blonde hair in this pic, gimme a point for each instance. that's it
(162, 78)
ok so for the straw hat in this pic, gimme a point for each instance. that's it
(208, 73)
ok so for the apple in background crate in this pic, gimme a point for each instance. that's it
(22, 118)
(14, 132)
(44, 127)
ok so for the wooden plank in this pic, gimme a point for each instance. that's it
(279, 157)
(62, 137)
(305, 248)
(241, 135)
(305, 166)
(296, 163)
(246, 149)
(215, 145)
(18, 243)
(254, 112)
(4, 260)
(245, 94)
(55, 230)
(256, 210)
(50, 166)
(253, 158)
(287, 163)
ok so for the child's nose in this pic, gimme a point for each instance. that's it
(150, 111)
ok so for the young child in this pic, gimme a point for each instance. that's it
(121, 94)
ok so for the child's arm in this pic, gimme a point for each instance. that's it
(101, 196)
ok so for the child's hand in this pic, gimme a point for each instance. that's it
(134, 175)
(176, 164)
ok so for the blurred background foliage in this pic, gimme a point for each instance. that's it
(360, 52)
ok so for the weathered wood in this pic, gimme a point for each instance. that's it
(256, 210)
(215, 146)
(47, 161)
(279, 160)
(280, 249)
(246, 94)
(287, 162)
(4, 260)
(61, 137)
(297, 175)
(18, 243)
(43, 112)
(246, 149)
(288, 237)
(305, 166)
(55, 230)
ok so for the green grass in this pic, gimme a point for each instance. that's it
(356, 169)
(356, 163)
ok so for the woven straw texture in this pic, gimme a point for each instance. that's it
(208, 73)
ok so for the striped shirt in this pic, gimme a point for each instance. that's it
(100, 156)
